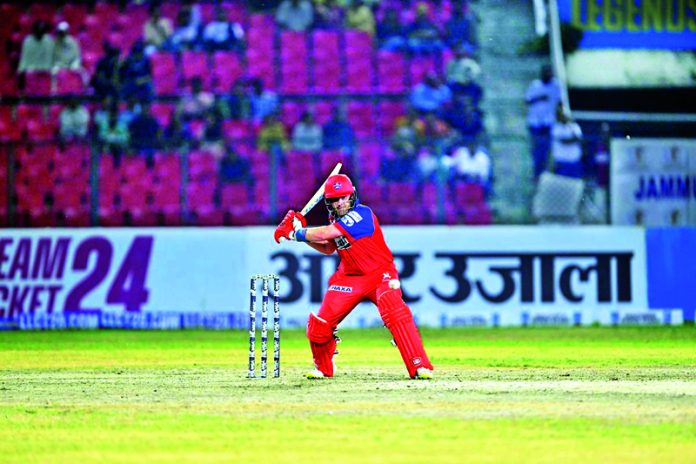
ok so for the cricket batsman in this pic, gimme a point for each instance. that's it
(366, 272)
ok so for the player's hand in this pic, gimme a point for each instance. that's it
(285, 228)
(299, 221)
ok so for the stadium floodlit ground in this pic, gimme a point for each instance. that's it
(551, 395)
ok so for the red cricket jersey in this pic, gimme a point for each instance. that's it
(362, 248)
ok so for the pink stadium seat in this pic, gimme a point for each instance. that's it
(69, 82)
(201, 206)
(478, 214)
(361, 118)
(167, 168)
(323, 111)
(202, 166)
(389, 112)
(164, 73)
(420, 66)
(162, 112)
(291, 112)
(167, 202)
(74, 14)
(327, 67)
(390, 72)
(468, 193)
(195, 64)
(9, 131)
(236, 130)
(43, 11)
(37, 84)
(293, 62)
(329, 158)
(227, 69)
(359, 56)
(370, 157)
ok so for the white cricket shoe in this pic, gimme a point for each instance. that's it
(423, 373)
(315, 374)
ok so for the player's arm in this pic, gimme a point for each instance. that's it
(327, 247)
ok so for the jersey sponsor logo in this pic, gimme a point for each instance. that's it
(386, 276)
(351, 218)
(341, 288)
(342, 243)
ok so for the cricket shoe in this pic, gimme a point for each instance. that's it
(315, 374)
(423, 373)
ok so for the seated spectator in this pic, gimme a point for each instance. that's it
(423, 35)
(131, 110)
(390, 32)
(409, 129)
(234, 168)
(74, 121)
(145, 134)
(157, 31)
(359, 16)
(105, 80)
(37, 49)
(186, 34)
(327, 15)
(337, 133)
(66, 50)
(295, 15)
(222, 34)
(566, 145)
(430, 95)
(307, 134)
(213, 136)
(263, 101)
(399, 164)
(136, 74)
(177, 134)
(427, 163)
(113, 134)
(235, 105)
(195, 105)
(471, 163)
(435, 130)
(458, 29)
(464, 117)
(463, 69)
(272, 134)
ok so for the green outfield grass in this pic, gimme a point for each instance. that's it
(570, 395)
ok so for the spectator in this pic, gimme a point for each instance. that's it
(430, 95)
(74, 121)
(458, 29)
(542, 97)
(463, 70)
(435, 130)
(263, 101)
(235, 105)
(105, 80)
(337, 133)
(112, 133)
(145, 134)
(157, 31)
(471, 163)
(307, 134)
(37, 49)
(188, 26)
(423, 35)
(409, 130)
(66, 50)
(359, 16)
(213, 136)
(136, 75)
(566, 145)
(390, 32)
(131, 110)
(328, 15)
(196, 104)
(221, 34)
(234, 168)
(399, 164)
(464, 117)
(177, 134)
(272, 133)
(295, 15)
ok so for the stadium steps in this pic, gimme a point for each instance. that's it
(504, 26)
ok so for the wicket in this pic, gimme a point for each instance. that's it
(265, 280)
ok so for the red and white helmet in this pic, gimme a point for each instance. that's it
(338, 185)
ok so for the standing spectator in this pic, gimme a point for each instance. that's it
(66, 50)
(423, 35)
(112, 132)
(188, 27)
(157, 31)
(295, 15)
(145, 134)
(272, 133)
(463, 70)
(359, 16)
(566, 145)
(337, 133)
(430, 95)
(542, 97)
(307, 134)
(390, 32)
(136, 74)
(105, 80)
(37, 49)
(464, 117)
(221, 34)
(74, 121)
(263, 101)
